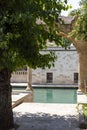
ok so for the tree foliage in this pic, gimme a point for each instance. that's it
(75, 12)
(25, 27)
(80, 30)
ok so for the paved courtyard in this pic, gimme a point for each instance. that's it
(42, 116)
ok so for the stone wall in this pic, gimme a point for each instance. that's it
(63, 72)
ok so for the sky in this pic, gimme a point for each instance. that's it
(75, 5)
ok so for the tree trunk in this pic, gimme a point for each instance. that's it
(82, 71)
(81, 47)
(6, 114)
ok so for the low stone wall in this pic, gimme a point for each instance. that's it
(21, 97)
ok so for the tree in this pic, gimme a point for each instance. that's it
(78, 35)
(25, 27)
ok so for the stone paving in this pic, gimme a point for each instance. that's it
(42, 116)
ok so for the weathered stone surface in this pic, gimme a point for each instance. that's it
(63, 71)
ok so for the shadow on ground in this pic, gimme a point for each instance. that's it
(43, 121)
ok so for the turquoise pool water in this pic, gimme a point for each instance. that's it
(46, 95)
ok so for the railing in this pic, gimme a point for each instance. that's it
(19, 76)
(20, 73)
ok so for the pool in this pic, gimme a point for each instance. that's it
(48, 95)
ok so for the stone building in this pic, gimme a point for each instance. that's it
(65, 70)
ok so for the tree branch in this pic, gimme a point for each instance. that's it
(68, 37)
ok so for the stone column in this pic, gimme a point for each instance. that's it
(29, 79)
